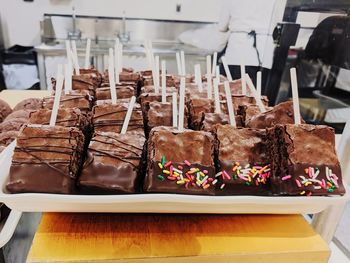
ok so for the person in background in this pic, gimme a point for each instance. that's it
(250, 43)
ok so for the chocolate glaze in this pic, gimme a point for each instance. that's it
(295, 148)
(46, 160)
(249, 111)
(28, 104)
(197, 107)
(280, 114)
(197, 147)
(12, 124)
(5, 110)
(7, 137)
(110, 117)
(123, 92)
(247, 147)
(72, 100)
(20, 114)
(160, 114)
(114, 164)
(211, 120)
(170, 82)
(241, 100)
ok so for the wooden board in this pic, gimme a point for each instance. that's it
(12, 97)
(176, 238)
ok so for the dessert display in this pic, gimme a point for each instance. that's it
(114, 164)
(29, 104)
(47, 159)
(180, 162)
(107, 117)
(5, 110)
(304, 161)
(243, 163)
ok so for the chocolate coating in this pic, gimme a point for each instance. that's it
(12, 124)
(246, 147)
(114, 163)
(74, 99)
(123, 92)
(46, 160)
(29, 104)
(7, 137)
(211, 120)
(296, 148)
(196, 147)
(110, 118)
(5, 110)
(20, 114)
(197, 108)
(280, 114)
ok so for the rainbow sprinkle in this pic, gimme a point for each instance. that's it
(310, 180)
(193, 177)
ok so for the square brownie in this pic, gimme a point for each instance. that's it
(47, 159)
(180, 162)
(114, 164)
(243, 163)
(304, 161)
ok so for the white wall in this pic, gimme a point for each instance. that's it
(20, 20)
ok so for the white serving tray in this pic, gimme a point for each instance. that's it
(159, 203)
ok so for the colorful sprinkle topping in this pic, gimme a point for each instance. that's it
(193, 177)
(310, 180)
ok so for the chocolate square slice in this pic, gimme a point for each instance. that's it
(123, 92)
(47, 159)
(211, 120)
(107, 117)
(65, 117)
(180, 162)
(114, 163)
(304, 161)
(243, 161)
(282, 113)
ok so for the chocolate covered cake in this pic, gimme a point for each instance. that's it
(109, 117)
(7, 137)
(20, 114)
(46, 160)
(197, 108)
(280, 114)
(5, 110)
(304, 161)
(65, 117)
(242, 161)
(180, 162)
(123, 92)
(12, 124)
(29, 104)
(211, 120)
(80, 100)
(114, 164)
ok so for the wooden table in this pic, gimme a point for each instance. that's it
(65, 237)
(176, 238)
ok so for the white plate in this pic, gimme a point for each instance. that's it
(159, 203)
(9, 227)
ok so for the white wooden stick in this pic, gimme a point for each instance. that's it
(111, 77)
(148, 57)
(163, 81)
(175, 109)
(178, 63)
(215, 60)
(67, 79)
(231, 112)
(243, 80)
(56, 102)
(120, 56)
(293, 78)
(209, 86)
(255, 93)
(217, 74)
(75, 58)
(198, 76)
(183, 63)
(156, 80)
(227, 69)
(216, 96)
(182, 104)
(87, 53)
(116, 60)
(128, 115)
(258, 83)
(69, 54)
(208, 65)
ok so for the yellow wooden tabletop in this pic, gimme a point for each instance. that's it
(63, 237)
(171, 238)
